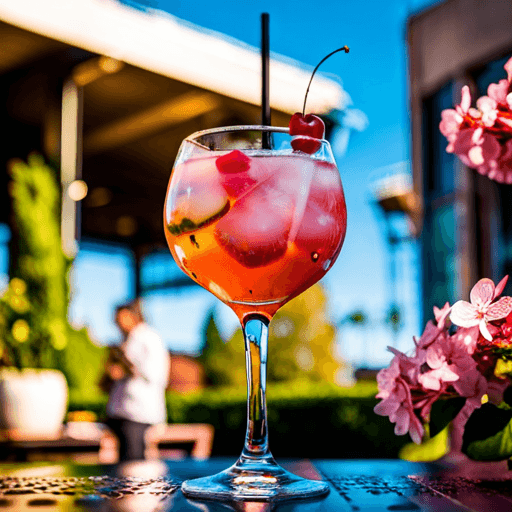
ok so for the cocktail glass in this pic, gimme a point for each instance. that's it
(256, 222)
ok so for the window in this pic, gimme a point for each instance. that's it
(438, 236)
(439, 165)
(494, 225)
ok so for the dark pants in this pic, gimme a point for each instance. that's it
(131, 438)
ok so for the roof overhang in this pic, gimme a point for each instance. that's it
(163, 44)
(137, 83)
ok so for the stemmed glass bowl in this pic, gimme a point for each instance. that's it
(256, 217)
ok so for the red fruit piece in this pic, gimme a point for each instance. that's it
(306, 144)
(234, 171)
(233, 162)
(309, 129)
(255, 232)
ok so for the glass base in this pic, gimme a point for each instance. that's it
(253, 480)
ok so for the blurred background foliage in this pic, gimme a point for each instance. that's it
(34, 307)
(302, 345)
(34, 329)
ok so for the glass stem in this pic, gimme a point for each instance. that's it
(255, 330)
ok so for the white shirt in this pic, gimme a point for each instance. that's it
(142, 398)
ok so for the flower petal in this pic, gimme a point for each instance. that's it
(441, 314)
(475, 155)
(499, 309)
(465, 101)
(416, 430)
(483, 329)
(498, 92)
(482, 293)
(386, 407)
(464, 314)
(430, 380)
(402, 418)
(508, 69)
(501, 285)
(450, 122)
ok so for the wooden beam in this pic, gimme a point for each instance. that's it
(149, 121)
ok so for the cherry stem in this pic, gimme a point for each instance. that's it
(345, 49)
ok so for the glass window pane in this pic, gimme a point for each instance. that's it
(439, 271)
(439, 165)
(501, 223)
(492, 72)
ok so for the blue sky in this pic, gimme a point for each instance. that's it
(374, 74)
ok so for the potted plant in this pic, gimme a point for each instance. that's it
(33, 308)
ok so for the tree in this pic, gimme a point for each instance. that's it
(34, 329)
(302, 343)
(224, 363)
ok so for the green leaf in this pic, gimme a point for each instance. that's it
(444, 411)
(488, 434)
(432, 449)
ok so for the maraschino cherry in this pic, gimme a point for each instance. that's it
(309, 129)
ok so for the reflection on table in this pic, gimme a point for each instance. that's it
(154, 486)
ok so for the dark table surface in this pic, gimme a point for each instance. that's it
(355, 485)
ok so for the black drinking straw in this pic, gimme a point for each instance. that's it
(265, 60)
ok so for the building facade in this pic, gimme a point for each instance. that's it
(467, 226)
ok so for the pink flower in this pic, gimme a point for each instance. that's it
(498, 92)
(444, 365)
(508, 69)
(441, 368)
(428, 337)
(450, 126)
(476, 149)
(503, 172)
(481, 137)
(451, 120)
(442, 314)
(398, 406)
(471, 383)
(488, 108)
(482, 308)
(465, 101)
(395, 390)
(386, 379)
(468, 336)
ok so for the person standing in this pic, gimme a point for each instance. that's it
(139, 374)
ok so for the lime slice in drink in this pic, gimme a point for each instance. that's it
(199, 200)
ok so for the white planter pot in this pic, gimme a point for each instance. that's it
(33, 403)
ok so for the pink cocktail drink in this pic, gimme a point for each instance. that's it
(256, 228)
(255, 215)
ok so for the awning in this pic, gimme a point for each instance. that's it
(137, 83)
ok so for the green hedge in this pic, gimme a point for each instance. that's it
(307, 419)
